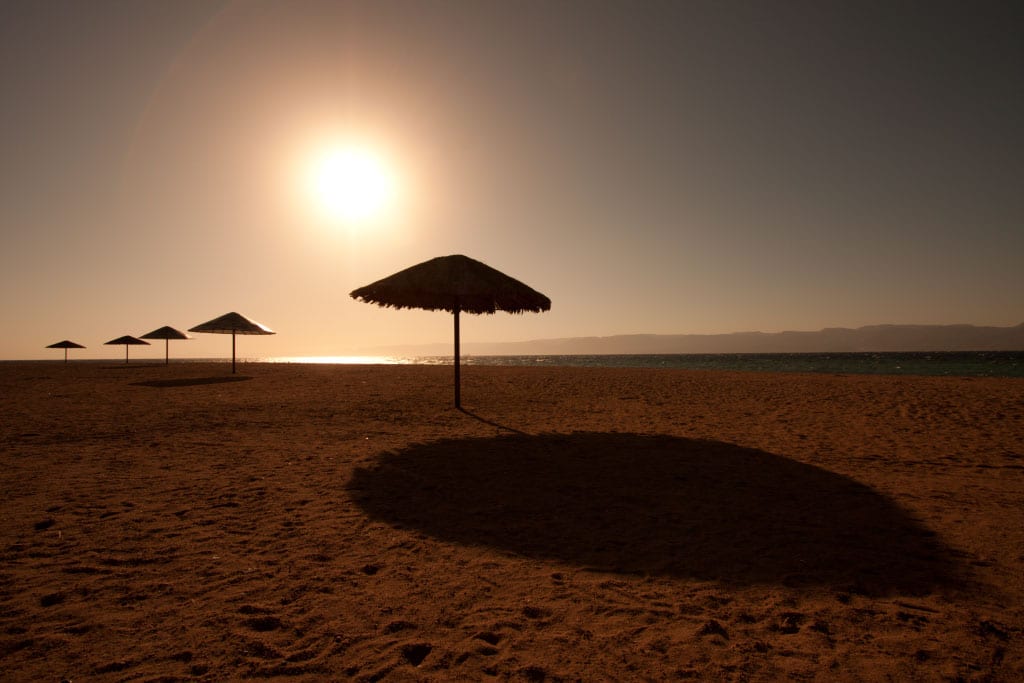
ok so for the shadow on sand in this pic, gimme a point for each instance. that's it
(658, 505)
(190, 382)
(492, 423)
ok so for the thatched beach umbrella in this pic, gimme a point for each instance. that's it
(65, 345)
(127, 340)
(232, 323)
(166, 333)
(455, 284)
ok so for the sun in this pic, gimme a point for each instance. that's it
(352, 184)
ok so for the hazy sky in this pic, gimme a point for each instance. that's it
(659, 167)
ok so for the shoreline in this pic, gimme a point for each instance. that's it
(323, 521)
(1009, 364)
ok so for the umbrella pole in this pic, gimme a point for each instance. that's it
(232, 352)
(65, 356)
(167, 352)
(458, 399)
(126, 354)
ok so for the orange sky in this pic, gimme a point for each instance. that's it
(690, 167)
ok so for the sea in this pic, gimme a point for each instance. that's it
(951, 364)
(933, 363)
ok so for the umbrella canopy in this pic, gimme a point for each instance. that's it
(166, 333)
(232, 323)
(450, 283)
(454, 283)
(66, 344)
(127, 340)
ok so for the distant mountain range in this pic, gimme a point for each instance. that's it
(829, 340)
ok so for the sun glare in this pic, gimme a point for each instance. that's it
(352, 184)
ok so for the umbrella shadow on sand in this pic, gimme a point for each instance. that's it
(659, 505)
(490, 423)
(190, 381)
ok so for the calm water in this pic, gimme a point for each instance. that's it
(954, 364)
(958, 364)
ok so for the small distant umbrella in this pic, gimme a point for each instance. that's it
(127, 340)
(166, 333)
(454, 283)
(65, 345)
(232, 323)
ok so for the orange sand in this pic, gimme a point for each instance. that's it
(318, 523)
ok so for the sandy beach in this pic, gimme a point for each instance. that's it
(316, 523)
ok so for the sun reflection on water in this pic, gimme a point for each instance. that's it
(339, 360)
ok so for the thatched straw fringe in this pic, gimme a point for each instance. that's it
(128, 340)
(450, 283)
(232, 323)
(66, 344)
(165, 332)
